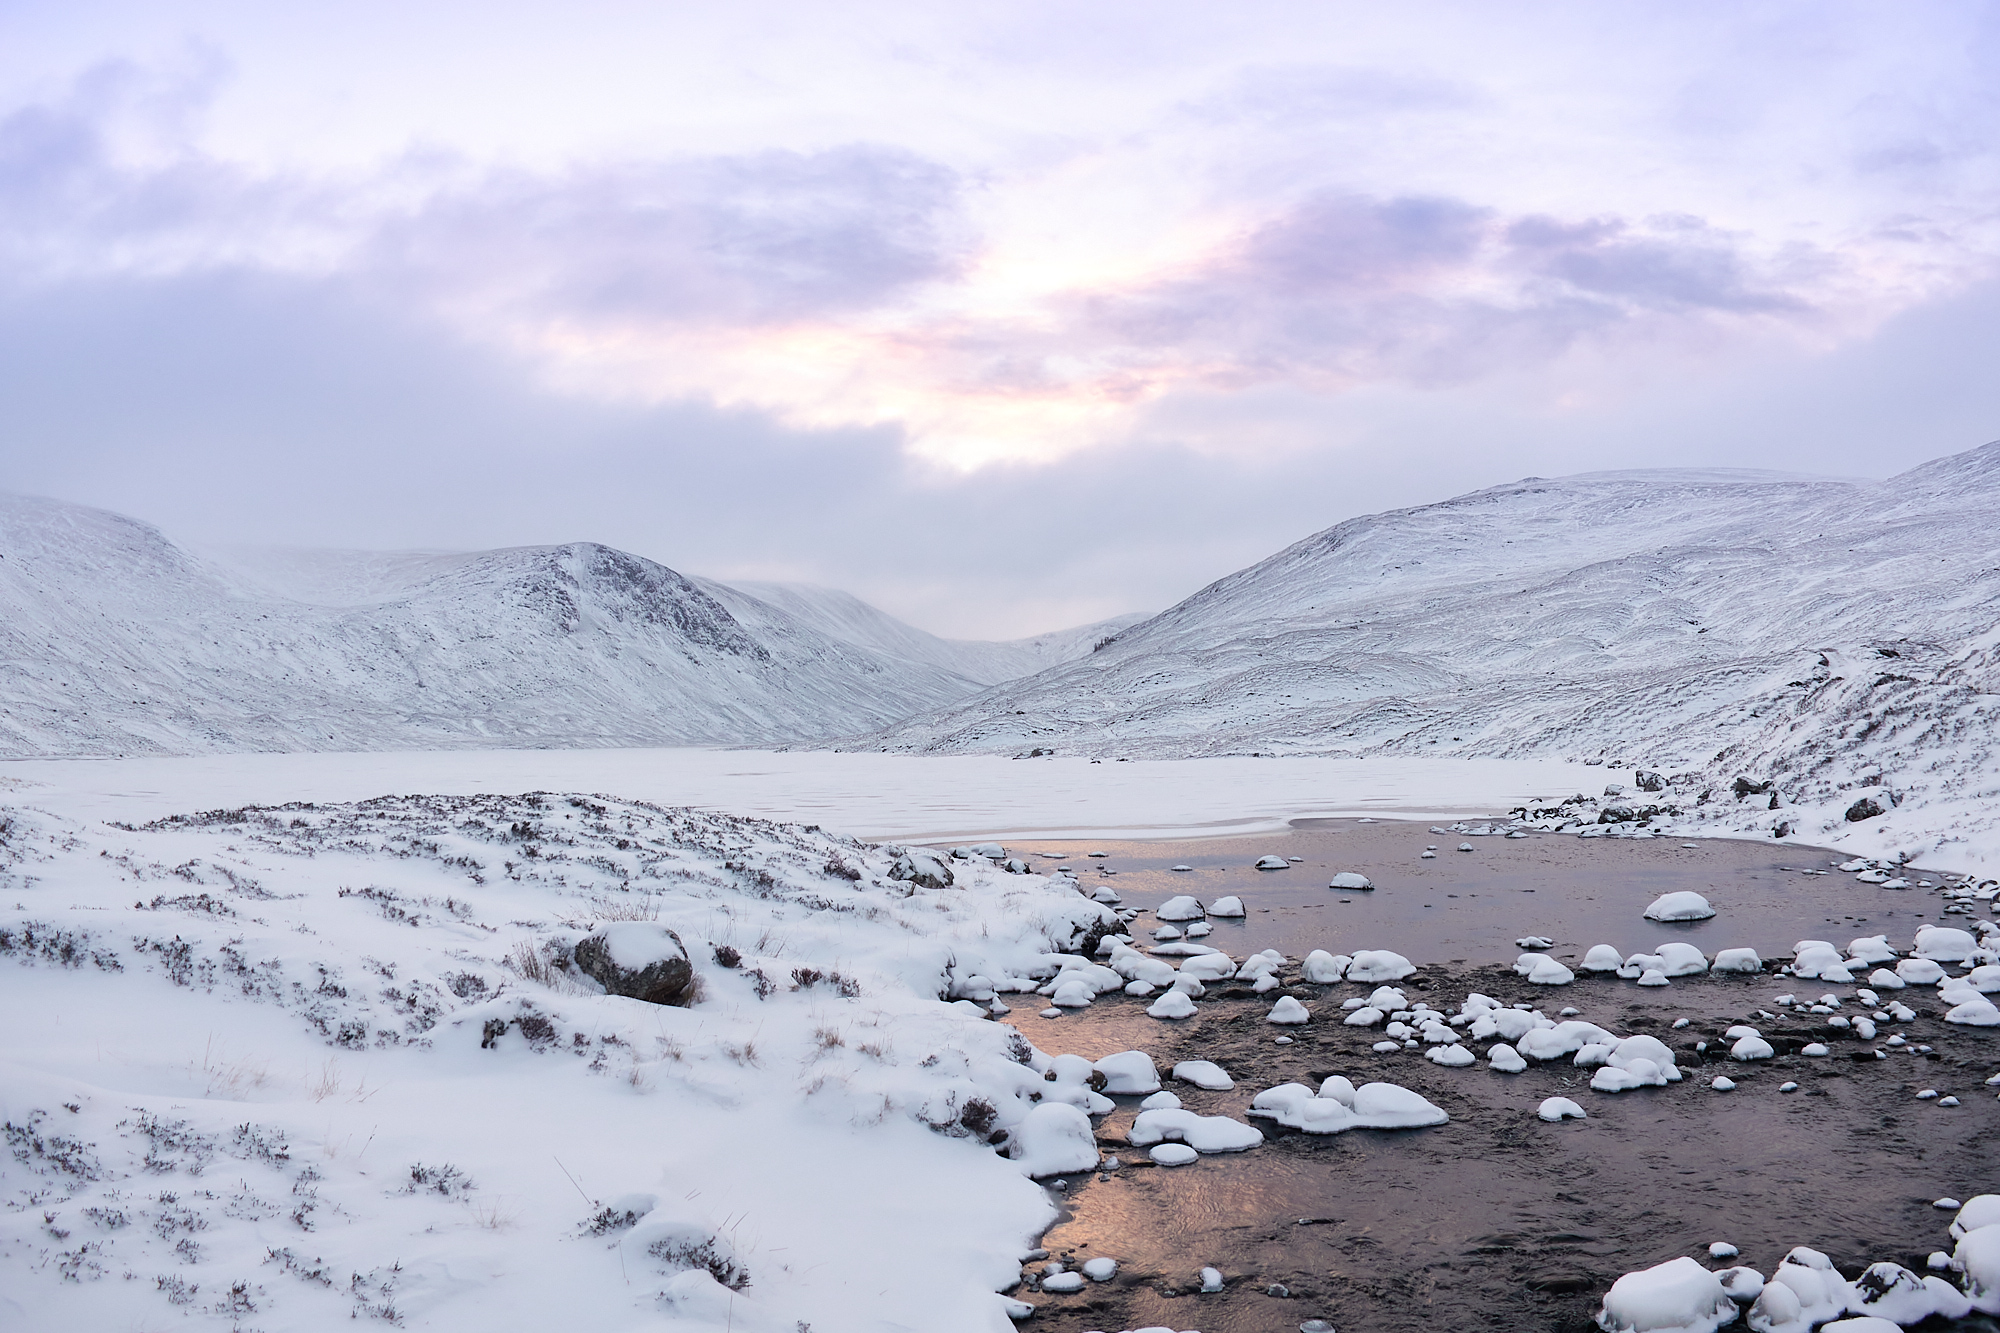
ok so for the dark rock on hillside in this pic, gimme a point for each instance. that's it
(640, 961)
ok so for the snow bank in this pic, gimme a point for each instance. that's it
(321, 1006)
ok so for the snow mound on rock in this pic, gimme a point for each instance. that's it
(1373, 1106)
(1682, 905)
(1678, 1296)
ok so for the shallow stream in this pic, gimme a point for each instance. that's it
(1497, 1219)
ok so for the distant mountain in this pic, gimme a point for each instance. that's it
(843, 616)
(1665, 616)
(114, 640)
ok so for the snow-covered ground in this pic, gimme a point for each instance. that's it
(275, 1068)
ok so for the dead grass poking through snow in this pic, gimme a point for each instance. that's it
(630, 907)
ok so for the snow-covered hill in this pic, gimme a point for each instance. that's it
(1827, 633)
(114, 640)
(843, 616)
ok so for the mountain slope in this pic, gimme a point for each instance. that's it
(840, 615)
(1657, 614)
(114, 640)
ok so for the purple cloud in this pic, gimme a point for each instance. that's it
(753, 239)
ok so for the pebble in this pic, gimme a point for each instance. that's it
(1722, 1249)
(1928, 1094)
(1947, 1101)
(1211, 1279)
(1788, 1087)
(1100, 1270)
(1316, 1326)
(1278, 1289)
(1938, 1262)
(1284, 1041)
(1051, 1013)
(1465, 846)
(1947, 1205)
(1722, 1084)
(1681, 1022)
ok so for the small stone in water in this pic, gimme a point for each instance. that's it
(1928, 1094)
(1571, 1012)
(1100, 1269)
(1788, 1087)
(1051, 1013)
(1722, 1249)
(1211, 1279)
(1681, 1022)
(1948, 1205)
(1278, 1289)
(1316, 1326)
(1947, 1101)
(1722, 1084)
(1284, 1041)
(1938, 1262)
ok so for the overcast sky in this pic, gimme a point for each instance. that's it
(1005, 316)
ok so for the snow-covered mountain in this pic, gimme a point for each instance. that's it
(114, 640)
(843, 616)
(1677, 618)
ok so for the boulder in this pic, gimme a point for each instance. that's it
(924, 869)
(639, 960)
(1870, 806)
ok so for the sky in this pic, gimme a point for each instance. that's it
(1002, 316)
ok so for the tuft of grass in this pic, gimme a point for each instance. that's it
(231, 1080)
(745, 1054)
(631, 907)
(529, 964)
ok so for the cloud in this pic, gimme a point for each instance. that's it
(751, 239)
